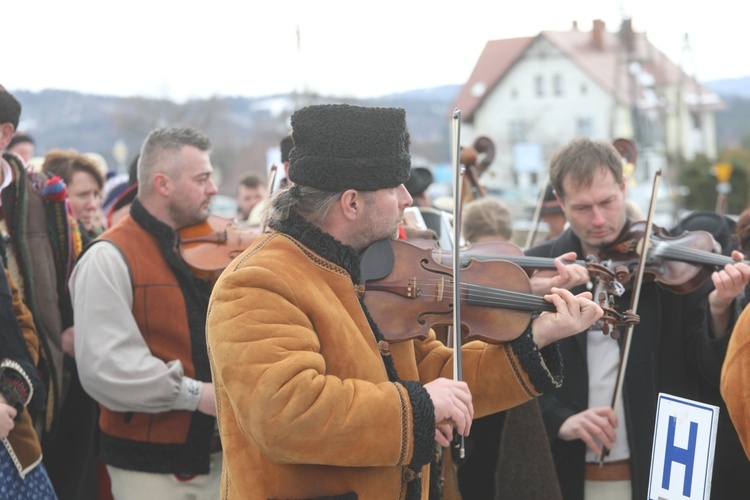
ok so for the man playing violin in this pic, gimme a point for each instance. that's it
(140, 331)
(679, 338)
(313, 401)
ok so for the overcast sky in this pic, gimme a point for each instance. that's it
(184, 49)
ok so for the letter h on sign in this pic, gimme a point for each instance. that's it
(685, 456)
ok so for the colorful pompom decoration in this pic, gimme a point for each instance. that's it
(55, 190)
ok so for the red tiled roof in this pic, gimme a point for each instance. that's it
(496, 59)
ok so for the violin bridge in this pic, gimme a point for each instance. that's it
(440, 289)
(412, 290)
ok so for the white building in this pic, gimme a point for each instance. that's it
(531, 95)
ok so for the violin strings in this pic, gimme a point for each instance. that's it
(693, 255)
(484, 295)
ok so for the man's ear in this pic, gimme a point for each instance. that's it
(351, 203)
(162, 184)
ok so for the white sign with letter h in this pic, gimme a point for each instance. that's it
(682, 457)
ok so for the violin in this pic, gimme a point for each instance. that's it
(495, 295)
(680, 263)
(604, 284)
(208, 248)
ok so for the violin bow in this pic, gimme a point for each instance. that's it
(537, 216)
(626, 341)
(271, 185)
(457, 192)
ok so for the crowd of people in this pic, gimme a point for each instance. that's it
(125, 375)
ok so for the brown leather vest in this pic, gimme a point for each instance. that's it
(160, 312)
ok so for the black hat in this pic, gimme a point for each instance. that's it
(419, 180)
(339, 147)
(10, 108)
(286, 146)
(550, 205)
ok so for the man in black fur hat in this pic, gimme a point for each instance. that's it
(313, 401)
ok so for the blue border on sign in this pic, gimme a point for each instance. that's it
(708, 408)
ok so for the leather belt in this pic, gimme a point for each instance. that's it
(618, 470)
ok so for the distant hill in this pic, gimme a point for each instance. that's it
(731, 87)
(244, 129)
(732, 123)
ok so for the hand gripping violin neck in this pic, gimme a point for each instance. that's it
(679, 263)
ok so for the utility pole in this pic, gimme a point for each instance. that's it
(302, 93)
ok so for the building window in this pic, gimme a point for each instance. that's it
(584, 127)
(557, 85)
(539, 86)
(517, 131)
(695, 118)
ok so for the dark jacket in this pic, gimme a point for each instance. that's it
(671, 349)
(43, 245)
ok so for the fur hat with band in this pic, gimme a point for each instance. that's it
(339, 147)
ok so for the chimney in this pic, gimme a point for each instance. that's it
(597, 34)
(627, 36)
(575, 26)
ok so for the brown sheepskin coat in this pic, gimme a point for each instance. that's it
(735, 379)
(306, 404)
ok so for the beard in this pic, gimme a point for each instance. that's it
(185, 215)
(372, 228)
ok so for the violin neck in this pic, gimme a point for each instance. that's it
(526, 262)
(693, 256)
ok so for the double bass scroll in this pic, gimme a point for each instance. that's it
(476, 159)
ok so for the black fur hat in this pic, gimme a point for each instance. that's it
(339, 147)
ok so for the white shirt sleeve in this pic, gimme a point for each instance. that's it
(115, 365)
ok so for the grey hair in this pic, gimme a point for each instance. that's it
(312, 203)
(158, 152)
